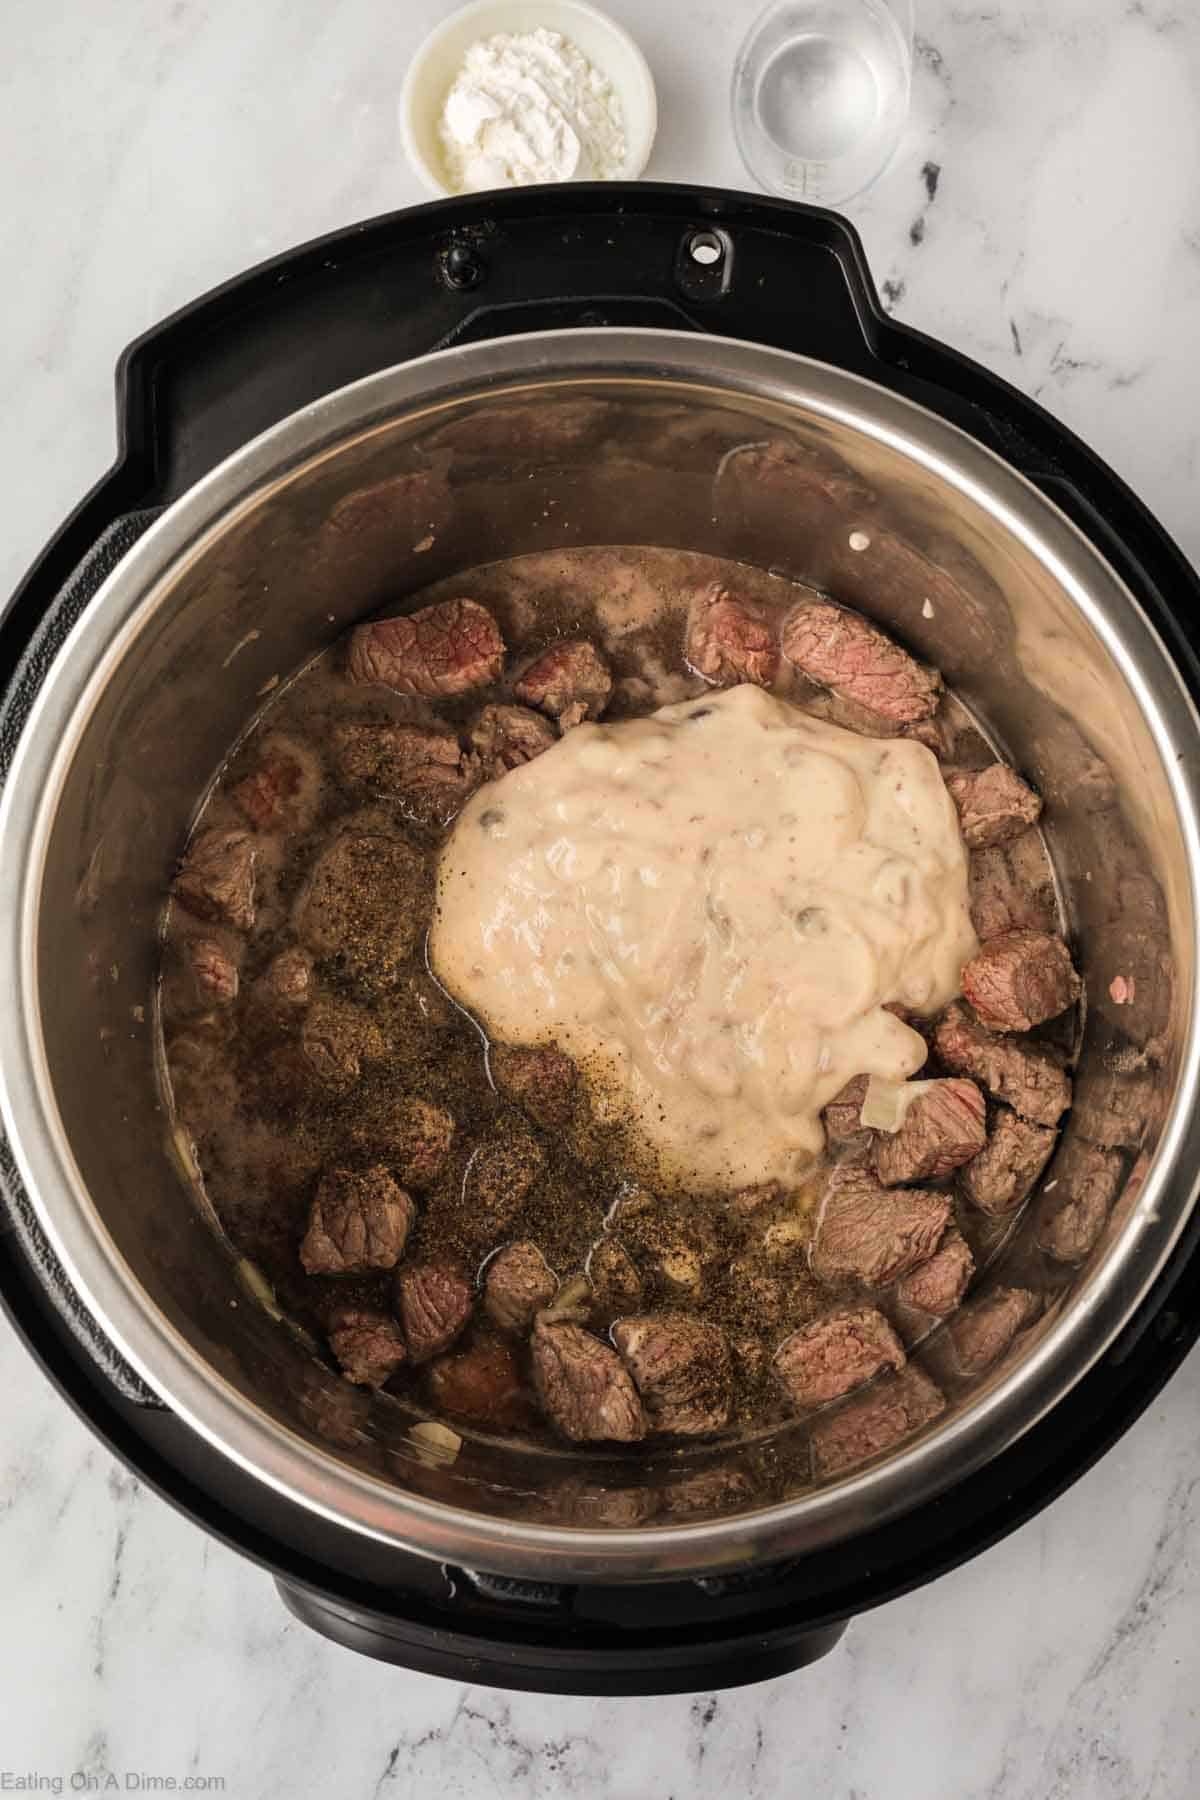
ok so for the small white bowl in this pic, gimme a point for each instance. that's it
(605, 44)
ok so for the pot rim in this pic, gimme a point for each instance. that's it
(162, 1355)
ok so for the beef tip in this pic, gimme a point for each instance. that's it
(708, 1494)
(842, 1116)
(518, 1283)
(403, 507)
(447, 648)
(730, 639)
(212, 972)
(839, 650)
(763, 1295)
(994, 804)
(288, 978)
(571, 681)
(359, 1220)
(337, 1039)
(1077, 1200)
(283, 790)
(1113, 1107)
(682, 1369)
(616, 1284)
(499, 1178)
(413, 1136)
(216, 878)
(481, 1384)
(824, 1360)
(505, 737)
(367, 1343)
(942, 1128)
(983, 1331)
(745, 1203)
(1021, 979)
(423, 768)
(938, 1285)
(434, 1302)
(363, 905)
(1017, 1151)
(888, 1413)
(1029, 1078)
(540, 1079)
(1001, 901)
(871, 1233)
(584, 1387)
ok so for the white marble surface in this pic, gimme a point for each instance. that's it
(149, 148)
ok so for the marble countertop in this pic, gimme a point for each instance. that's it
(1043, 215)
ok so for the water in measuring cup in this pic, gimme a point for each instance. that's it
(836, 82)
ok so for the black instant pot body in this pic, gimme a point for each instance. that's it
(198, 388)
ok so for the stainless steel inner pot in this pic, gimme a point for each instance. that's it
(570, 438)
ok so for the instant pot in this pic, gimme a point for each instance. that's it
(326, 435)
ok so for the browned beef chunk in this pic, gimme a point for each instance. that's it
(216, 878)
(765, 1291)
(434, 1301)
(443, 649)
(842, 1115)
(571, 681)
(708, 1494)
(413, 1136)
(584, 1387)
(1002, 1174)
(540, 1079)
(616, 1284)
(481, 1384)
(499, 1178)
(1021, 979)
(682, 1368)
(359, 1220)
(824, 1360)
(938, 1285)
(422, 767)
(282, 792)
(1114, 1106)
(840, 650)
(288, 978)
(746, 1202)
(1005, 898)
(337, 1039)
(402, 507)
(890, 1411)
(731, 639)
(363, 905)
(982, 1332)
(212, 972)
(1077, 1200)
(367, 1343)
(1031, 1079)
(942, 1129)
(505, 737)
(872, 1233)
(518, 1283)
(994, 804)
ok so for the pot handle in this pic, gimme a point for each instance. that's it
(538, 1643)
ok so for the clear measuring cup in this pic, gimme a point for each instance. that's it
(820, 95)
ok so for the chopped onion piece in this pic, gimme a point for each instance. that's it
(435, 1443)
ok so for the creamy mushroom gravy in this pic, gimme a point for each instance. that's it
(709, 909)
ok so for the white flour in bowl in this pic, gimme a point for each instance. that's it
(529, 108)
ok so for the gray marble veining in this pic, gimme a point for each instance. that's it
(1042, 215)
